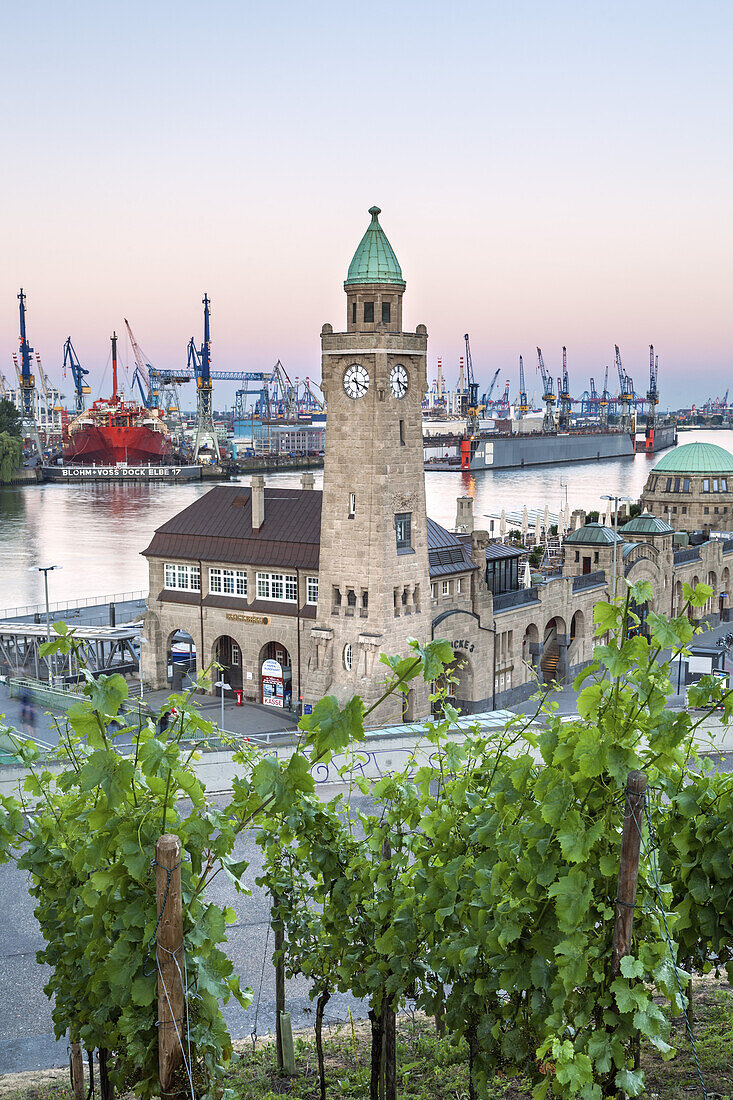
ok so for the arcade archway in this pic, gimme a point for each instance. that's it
(276, 676)
(180, 660)
(228, 655)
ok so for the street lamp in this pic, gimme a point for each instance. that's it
(46, 569)
(616, 501)
(224, 687)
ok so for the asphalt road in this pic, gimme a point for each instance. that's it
(26, 1028)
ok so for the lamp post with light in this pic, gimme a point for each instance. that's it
(616, 501)
(224, 687)
(46, 569)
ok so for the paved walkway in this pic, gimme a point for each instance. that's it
(249, 720)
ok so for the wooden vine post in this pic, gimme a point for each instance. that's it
(628, 871)
(169, 949)
(279, 933)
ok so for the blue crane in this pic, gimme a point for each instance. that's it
(563, 392)
(522, 403)
(548, 394)
(78, 373)
(27, 382)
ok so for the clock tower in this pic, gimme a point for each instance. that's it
(374, 582)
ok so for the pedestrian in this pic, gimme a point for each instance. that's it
(27, 714)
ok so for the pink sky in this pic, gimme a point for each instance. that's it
(548, 174)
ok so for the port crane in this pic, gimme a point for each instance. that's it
(652, 396)
(625, 395)
(78, 373)
(486, 399)
(29, 426)
(548, 395)
(522, 403)
(472, 421)
(206, 442)
(565, 410)
(605, 399)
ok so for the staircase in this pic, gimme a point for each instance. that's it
(549, 666)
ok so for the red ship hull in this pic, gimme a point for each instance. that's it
(134, 445)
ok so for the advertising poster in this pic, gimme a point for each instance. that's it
(273, 692)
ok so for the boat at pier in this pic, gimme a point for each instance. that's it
(114, 432)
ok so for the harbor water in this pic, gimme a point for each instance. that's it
(96, 532)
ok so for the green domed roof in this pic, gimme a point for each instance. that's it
(647, 524)
(374, 260)
(696, 458)
(594, 534)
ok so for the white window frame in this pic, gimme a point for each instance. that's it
(311, 585)
(348, 657)
(459, 585)
(180, 577)
(291, 588)
(434, 591)
(236, 655)
(445, 588)
(227, 582)
(271, 586)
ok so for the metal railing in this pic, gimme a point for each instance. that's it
(589, 580)
(681, 557)
(506, 600)
(72, 605)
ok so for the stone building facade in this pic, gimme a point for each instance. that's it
(295, 593)
(692, 488)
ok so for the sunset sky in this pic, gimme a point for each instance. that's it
(549, 173)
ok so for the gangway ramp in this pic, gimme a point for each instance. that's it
(100, 649)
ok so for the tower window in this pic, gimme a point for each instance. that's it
(402, 432)
(348, 658)
(368, 313)
(386, 313)
(352, 505)
(403, 529)
(353, 313)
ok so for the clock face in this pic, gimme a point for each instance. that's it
(356, 381)
(398, 381)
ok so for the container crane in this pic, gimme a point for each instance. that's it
(29, 426)
(523, 403)
(78, 373)
(605, 399)
(565, 410)
(206, 442)
(652, 398)
(625, 395)
(472, 421)
(486, 399)
(548, 395)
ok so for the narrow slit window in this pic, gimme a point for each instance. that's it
(385, 313)
(352, 505)
(402, 432)
(369, 313)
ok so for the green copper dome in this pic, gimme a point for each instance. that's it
(374, 260)
(647, 524)
(594, 534)
(696, 458)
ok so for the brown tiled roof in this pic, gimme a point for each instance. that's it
(173, 595)
(218, 527)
